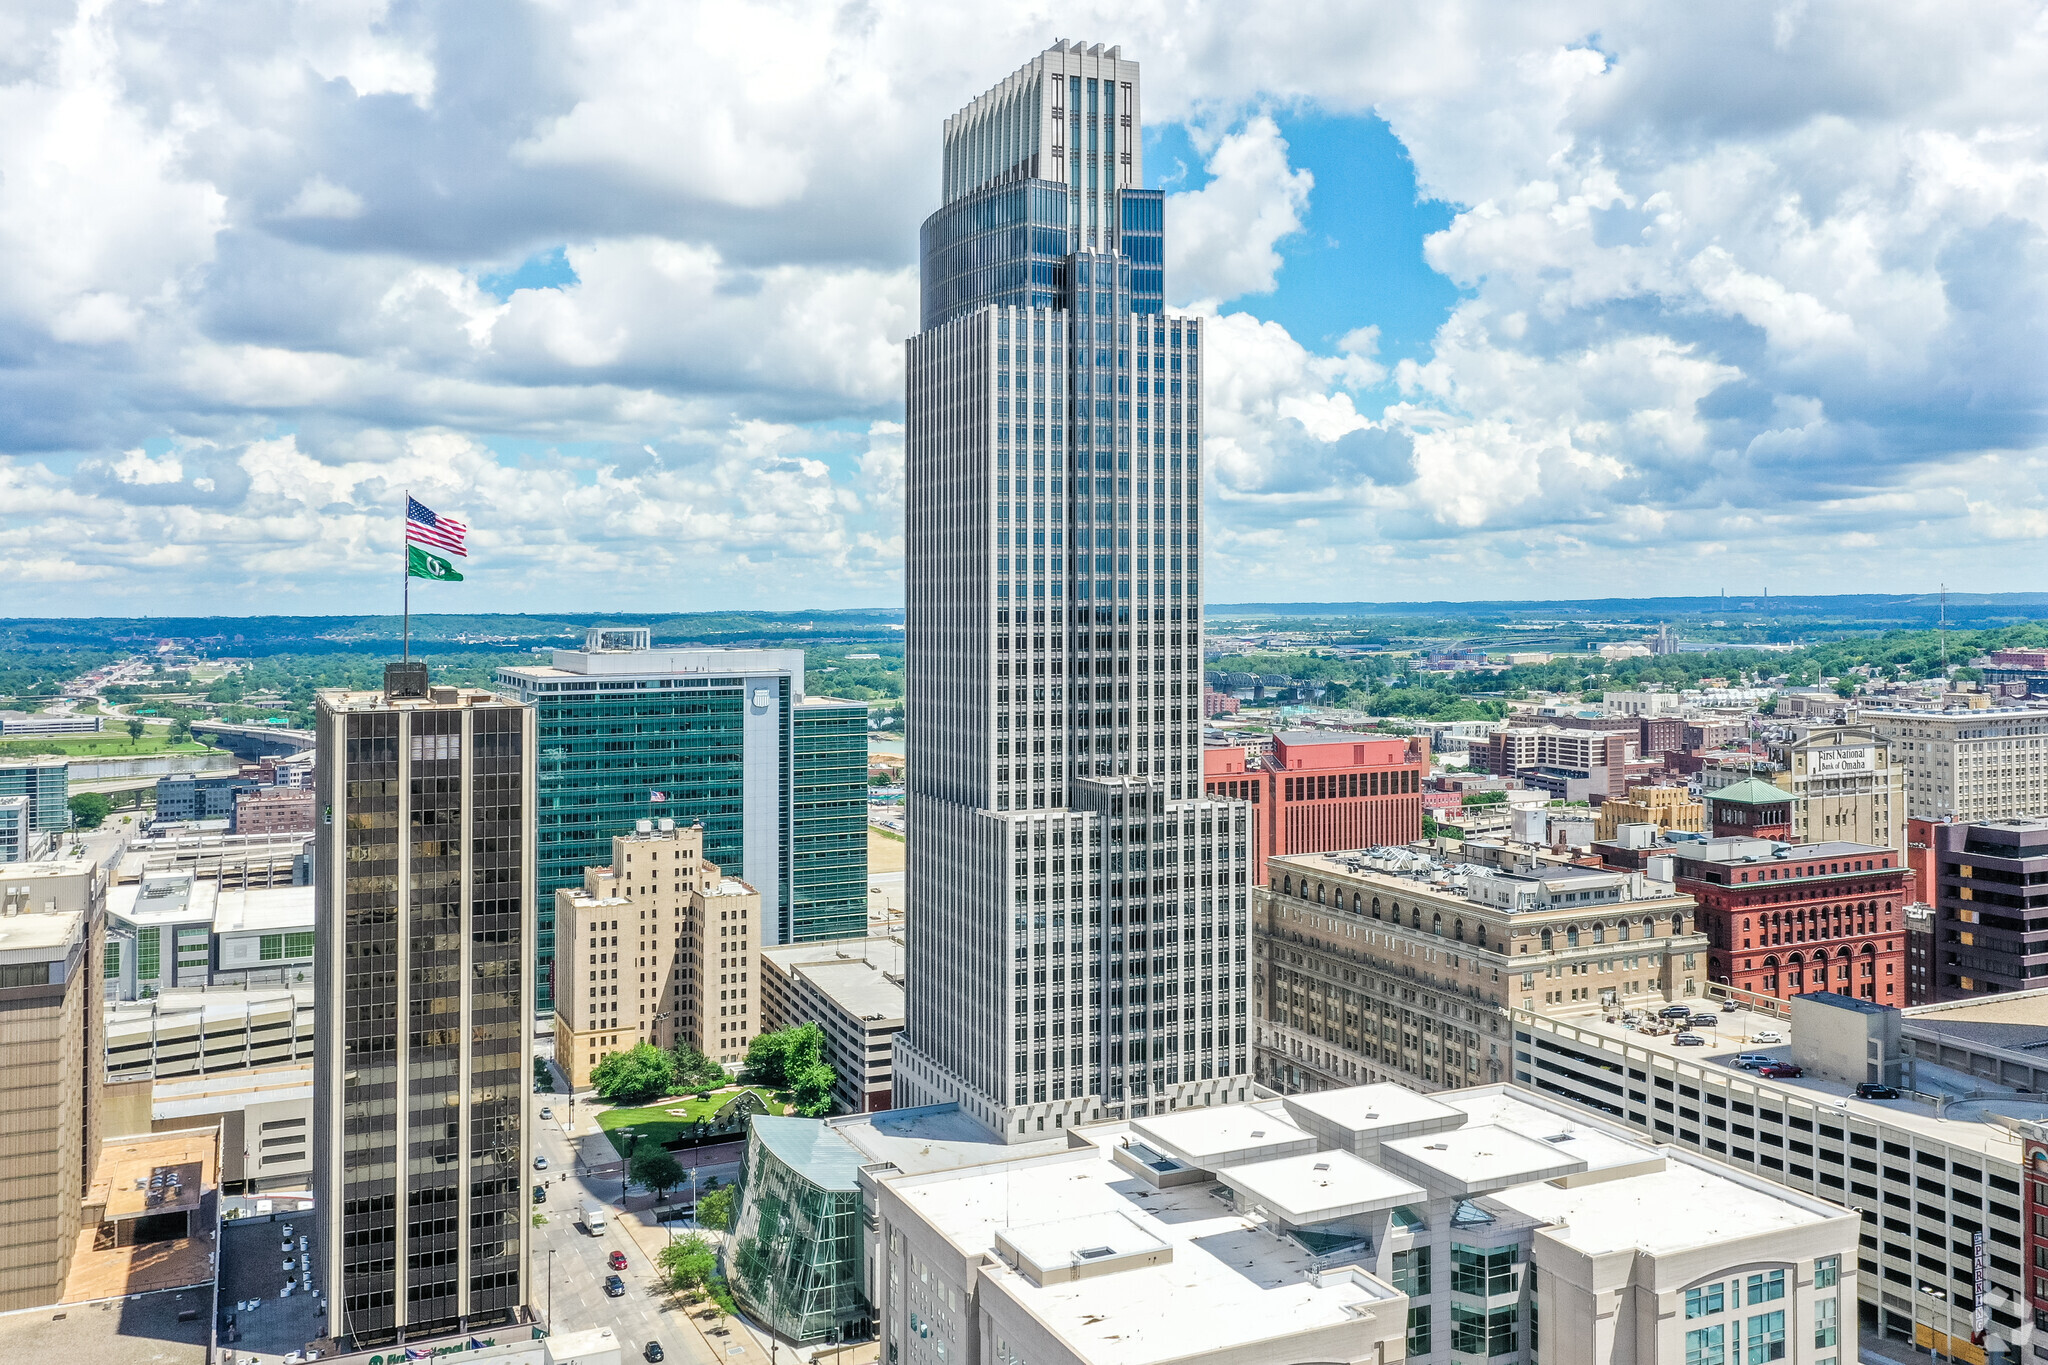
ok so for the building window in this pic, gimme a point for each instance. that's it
(1468, 1331)
(1706, 1346)
(1703, 1302)
(1418, 1330)
(1482, 1272)
(1411, 1272)
(1826, 1321)
(1766, 1288)
(1766, 1338)
(1826, 1272)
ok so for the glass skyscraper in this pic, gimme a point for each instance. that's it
(724, 738)
(423, 875)
(1077, 940)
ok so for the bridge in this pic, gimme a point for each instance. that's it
(252, 742)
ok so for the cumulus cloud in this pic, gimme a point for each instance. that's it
(1758, 288)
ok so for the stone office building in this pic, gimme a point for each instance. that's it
(1390, 966)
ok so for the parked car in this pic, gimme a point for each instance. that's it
(1871, 1090)
(1750, 1061)
(1729, 1007)
(1767, 1035)
(618, 1260)
(1675, 1012)
(1688, 1040)
(614, 1287)
(540, 1163)
(1780, 1070)
(540, 1194)
(1706, 1021)
(653, 1351)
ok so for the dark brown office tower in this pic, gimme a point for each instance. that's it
(423, 870)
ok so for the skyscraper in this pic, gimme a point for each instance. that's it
(423, 875)
(724, 738)
(1077, 943)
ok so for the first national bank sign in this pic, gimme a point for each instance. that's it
(401, 1356)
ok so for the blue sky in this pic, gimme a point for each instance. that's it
(1734, 294)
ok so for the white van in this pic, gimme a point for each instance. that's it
(593, 1218)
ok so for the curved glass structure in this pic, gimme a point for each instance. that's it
(794, 1257)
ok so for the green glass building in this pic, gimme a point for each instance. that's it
(724, 738)
(794, 1258)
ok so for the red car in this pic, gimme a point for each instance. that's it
(1780, 1070)
(618, 1260)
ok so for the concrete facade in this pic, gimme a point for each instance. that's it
(1318, 791)
(853, 989)
(1982, 764)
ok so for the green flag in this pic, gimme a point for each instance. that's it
(420, 564)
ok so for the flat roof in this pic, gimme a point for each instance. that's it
(1230, 1284)
(177, 896)
(1383, 1110)
(812, 1149)
(39, 935)
(1616, 1215)
(858, 988)
(140, 1330)
(1565, 1132)
(263, 907)
(933, 1137)
(1298, 738)
(57, 867)
(1317, 1187)
(1225, 1135)
(1479, 1159)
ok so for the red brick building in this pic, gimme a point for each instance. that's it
(1321, 791)
(1786, 921)
(1750, 809)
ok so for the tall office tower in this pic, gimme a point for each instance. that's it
(1077, 938)
(723, 738)
(423, 877)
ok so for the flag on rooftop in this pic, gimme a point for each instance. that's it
(425, 527)
(420, 564)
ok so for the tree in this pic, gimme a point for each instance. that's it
(653, 1167)
(810, 1090)
(689, 1264)
(695, 1071)
(641, 1072)
(89, 810)
(135, 728)
(714, 1210)
(181, 730)
(775, 1059)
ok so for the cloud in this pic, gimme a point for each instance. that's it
(1749, 291)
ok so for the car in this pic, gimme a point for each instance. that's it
(1750, 1061)
(540, 1194)
(1871, 1090)
(1706, 1021)
(1675, 1012)
(1780, 1070)
(614, 1287)
(546, 1112)
(618, 1260)
(1767, 1035)
(653, 1351)
(1729, 1007)
(540, 1163)
(1688, 1040)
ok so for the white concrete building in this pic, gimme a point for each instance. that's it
(1078, 947)
(1368, 1224)
(1969, 765)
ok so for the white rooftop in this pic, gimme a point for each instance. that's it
(1478, 1159)
(1230, 1283)
(1319, 1187)
(39, 936)
(177, 897)
(1227, 1135)
(1599, 1149)
(263, 908)
(1618, 1215)
(1370, 1113)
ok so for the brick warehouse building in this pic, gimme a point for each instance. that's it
(1787, 919)
(1320, 791)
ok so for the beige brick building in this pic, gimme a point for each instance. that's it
(1650, 804)
(657, 947)
(53, 1036)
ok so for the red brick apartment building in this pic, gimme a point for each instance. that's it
(1784, 920)
(1321, 791)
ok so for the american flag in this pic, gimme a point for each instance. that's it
(422, 527)
(657, 796)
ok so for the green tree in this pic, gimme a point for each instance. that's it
(89, 810)
(810, 1090)
(135, 728)
(714, 1210)
(181, 730)
(688, 1263)
(641, 1072)
(695, 1071)
(655, 1168)
(777, 1059)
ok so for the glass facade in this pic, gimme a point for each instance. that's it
(794, 1256)
(1011, 245)
(829, 823)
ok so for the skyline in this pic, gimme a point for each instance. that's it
(1757, 290)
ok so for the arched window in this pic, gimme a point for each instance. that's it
(1415, 917)
(1319, 893)
(1287, 886)
(1481, 929)
(1357, 903)
(1458, 931)
(1546, 940)
(1436, 925)
(1376, 908)
(1678, 921)
(1621, 931)
(1599, 933)
(1571, 936)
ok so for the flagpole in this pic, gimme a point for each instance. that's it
(405, 568)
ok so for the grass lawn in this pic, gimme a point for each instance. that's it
(114, 743)
(655, 1121)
